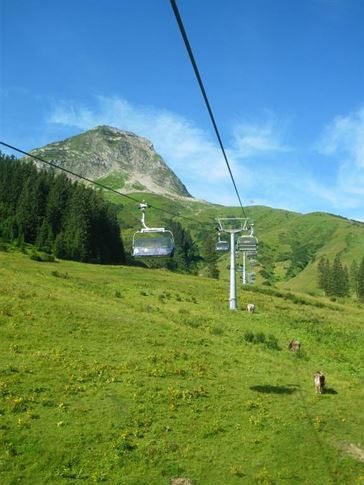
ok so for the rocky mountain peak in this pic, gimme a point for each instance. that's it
(122, 159)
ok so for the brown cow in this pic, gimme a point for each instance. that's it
(294, 346)
(319, 380)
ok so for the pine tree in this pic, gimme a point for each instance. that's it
(210, 257)
(45, 237)
(346, 282)
(59, 193)
(339, 279)
(324, 274)
(77, 226)
(360, 286)
(186, 254)
(27, 211)
(354, 276)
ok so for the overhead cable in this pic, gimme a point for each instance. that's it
(197, 74)
(70, 172)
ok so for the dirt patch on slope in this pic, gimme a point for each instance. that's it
(354, 451)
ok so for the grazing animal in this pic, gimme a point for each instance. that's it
(319, 380)
(250, 308)
(294, 346)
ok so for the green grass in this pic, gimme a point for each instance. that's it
(114, 180)
(131, 376)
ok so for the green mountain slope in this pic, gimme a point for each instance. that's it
(125, 375)
(290, 243)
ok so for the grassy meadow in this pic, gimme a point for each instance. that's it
(126, 375)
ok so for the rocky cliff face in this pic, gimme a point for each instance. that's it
(121, 159)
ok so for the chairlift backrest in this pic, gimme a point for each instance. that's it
(222, 246)
(251, 254)
(152, 241)
(160, 245)
(247, 243)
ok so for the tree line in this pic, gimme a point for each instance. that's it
(57, 215)
(72, 221)
(336, 280)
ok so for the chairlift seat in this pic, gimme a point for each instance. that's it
(247, 243)
(161, 245)
(251, 254)
(222, 246)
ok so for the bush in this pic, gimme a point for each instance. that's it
(57, 274)
(249, 336)
(42, 257)
(259, 338)
(272, 343)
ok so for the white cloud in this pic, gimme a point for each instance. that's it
(186, 148)
(344, 137)
(265, 168)
(254, 140)
(338, 198)
(191, 152)
(343, 141)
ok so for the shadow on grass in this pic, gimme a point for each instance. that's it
(267, 389)
(329, 390)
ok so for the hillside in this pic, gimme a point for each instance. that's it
(126, 375)
(118, 158)
(291, 244)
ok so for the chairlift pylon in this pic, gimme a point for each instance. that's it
(152, 241)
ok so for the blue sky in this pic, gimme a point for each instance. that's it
(285, 79)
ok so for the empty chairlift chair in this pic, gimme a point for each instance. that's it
(222, 245)
(248, 244)
(152, 241)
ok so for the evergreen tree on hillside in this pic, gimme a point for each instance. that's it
(360, 286)
(339, 279)
(210, 256)
(45, 238)
(346, 283)
(48, 210)
(78, 224)
(106, 245)
(333, 279)
(31, 206)
(58, 196)
(324, 278)
(353, 278)
(186, 253)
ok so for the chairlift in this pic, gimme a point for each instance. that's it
(152, 241)
(251, 254)
(247, 243)
(251, 278)
(222, 245)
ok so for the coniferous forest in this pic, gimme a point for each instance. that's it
(56, 215)
(336, 280)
